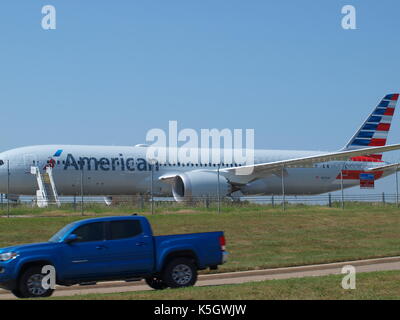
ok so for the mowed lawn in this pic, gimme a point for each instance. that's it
(369, 286)
(259, 237)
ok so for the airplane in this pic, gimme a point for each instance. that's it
(74, 170)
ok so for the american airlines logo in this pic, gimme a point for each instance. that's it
(107, 164)
(212, 147)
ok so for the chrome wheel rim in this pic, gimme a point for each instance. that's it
(34, 285)
(182, 274)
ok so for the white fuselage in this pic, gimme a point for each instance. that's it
(123, 170)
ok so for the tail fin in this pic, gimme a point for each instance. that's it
(375, 129)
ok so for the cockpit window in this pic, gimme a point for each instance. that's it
(1, 162)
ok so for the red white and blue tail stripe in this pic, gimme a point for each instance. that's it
(375, 129)
(372, 133)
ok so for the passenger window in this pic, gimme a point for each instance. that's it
(124, 229)
(90, 232)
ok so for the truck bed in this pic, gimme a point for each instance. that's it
(206, 245)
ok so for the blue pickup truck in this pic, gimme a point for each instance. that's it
(111, 248)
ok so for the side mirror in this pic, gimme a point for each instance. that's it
(71, 238)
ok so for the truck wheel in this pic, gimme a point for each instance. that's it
(17, 293)
(156, 283)
(180, 272)
(30, 284)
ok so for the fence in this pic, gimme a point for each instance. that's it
(147, 204)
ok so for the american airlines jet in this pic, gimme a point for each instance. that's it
(50, 170)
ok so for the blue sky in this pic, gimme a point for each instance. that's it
(112, 70)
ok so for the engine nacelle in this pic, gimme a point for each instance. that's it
(196, 185)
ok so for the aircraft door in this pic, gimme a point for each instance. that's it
(29, 161)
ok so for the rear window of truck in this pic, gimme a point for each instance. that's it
(123, 229)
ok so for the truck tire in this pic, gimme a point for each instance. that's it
(30, 284)
(180, 272)
(156, 283)
(17, 293)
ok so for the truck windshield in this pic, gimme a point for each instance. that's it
(61, 233)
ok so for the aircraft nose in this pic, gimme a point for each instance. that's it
(3, 175)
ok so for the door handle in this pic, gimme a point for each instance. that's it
(141, 243)
(101, 247)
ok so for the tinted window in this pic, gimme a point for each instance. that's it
(90, 232)
(124, 229)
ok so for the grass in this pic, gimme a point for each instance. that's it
(257, 236)
(369, 286)
(162, 207)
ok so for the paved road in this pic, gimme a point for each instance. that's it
(382, 264)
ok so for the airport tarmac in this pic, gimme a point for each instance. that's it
(369, 265)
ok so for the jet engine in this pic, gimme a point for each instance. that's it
(195, 185)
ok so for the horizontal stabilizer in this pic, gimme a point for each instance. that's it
(385, 167)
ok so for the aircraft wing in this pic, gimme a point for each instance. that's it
(385, 167)
(249, 173)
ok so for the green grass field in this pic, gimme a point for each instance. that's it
(257, 236)
(369, 286)
(162, 207)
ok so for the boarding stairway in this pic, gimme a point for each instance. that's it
(47, 192)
